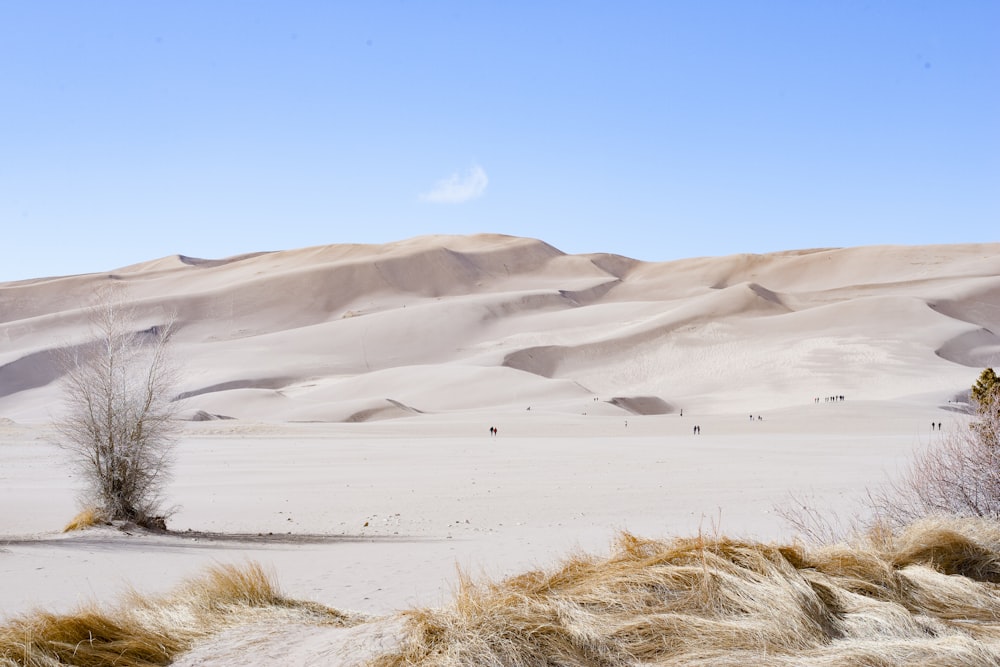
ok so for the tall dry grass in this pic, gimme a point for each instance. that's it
(153, 631)
(86, 518)
(926, 595)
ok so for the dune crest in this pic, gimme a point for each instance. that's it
(282, 336)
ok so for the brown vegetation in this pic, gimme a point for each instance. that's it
(926, 595)
(153, 631)
(86, 518)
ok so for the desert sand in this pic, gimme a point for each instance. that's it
(341, 397)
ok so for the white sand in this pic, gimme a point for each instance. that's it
(439, 494)
(426, 343)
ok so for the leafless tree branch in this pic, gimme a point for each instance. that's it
(119, 423)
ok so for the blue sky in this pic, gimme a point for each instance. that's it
(657, 130)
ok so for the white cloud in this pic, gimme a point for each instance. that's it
(458, 187)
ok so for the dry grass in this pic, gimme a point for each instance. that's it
(152, 631)
(87, 518)
(925, 595)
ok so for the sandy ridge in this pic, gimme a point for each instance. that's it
(282, 336)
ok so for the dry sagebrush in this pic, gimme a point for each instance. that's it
(152, 631)
(956, 475)
(927, 595)
(959, 475)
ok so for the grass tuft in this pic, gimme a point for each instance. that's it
(87, 518)
(154, 630)
(925, 594)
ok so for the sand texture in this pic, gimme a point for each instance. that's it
(338, 401)
(493, 323)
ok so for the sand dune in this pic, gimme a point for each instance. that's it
(254, 330)
(339, 399)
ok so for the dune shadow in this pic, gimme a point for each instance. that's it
(31, 371)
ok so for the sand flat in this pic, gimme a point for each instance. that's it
(442, 494)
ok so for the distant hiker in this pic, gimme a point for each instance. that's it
(682, 412)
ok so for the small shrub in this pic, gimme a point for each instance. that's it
(150, 631)
(959, 476)
(119, 426)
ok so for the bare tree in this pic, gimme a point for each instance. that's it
(959, 476)
(119, 422)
